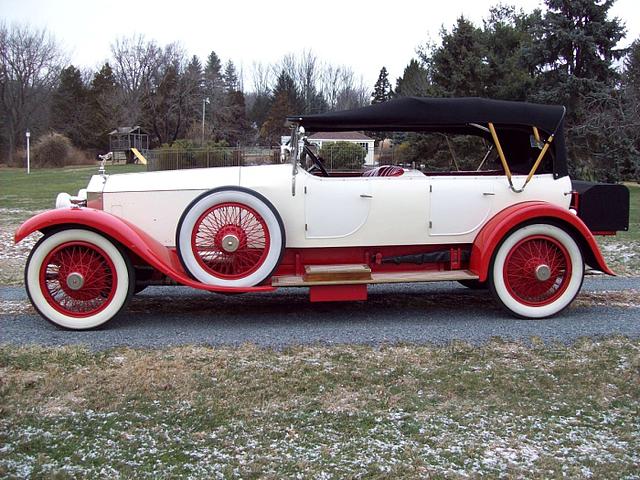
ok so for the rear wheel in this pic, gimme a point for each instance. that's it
(537, 271)
(78, 279)
(230, 237)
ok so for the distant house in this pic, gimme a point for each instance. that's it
(352, 137)
(330, 137)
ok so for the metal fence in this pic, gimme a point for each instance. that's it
(178, 159)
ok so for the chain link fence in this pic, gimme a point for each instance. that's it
(179, 159)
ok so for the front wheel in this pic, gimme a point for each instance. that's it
(537, 271)
(78, 279)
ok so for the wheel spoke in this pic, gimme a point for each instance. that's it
(520, 270)
(94, 267)
(244, 226)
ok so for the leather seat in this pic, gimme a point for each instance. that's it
(384, 171)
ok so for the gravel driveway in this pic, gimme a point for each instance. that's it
(436, 313)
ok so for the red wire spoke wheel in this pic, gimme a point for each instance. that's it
(230, 240)
(78, 279)
(537, 271)
(231, 237)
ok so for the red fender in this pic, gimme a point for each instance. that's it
(501, 224)
(130, 236)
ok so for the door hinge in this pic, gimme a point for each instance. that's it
(306, 227)
(430, 224)
(305, 189)
(430, 188)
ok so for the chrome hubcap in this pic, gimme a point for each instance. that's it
(230, 243)
(543, 272)
(75, 281)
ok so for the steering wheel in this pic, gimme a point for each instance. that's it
(317, 161)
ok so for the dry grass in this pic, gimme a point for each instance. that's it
(348, 411)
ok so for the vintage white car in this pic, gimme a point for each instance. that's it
(518, 227)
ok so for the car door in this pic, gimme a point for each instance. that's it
(335, 207)
(459, 205)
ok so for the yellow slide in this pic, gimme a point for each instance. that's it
(139, 156)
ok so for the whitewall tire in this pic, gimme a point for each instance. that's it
(230, 237)
(78, 279)
(537, 271)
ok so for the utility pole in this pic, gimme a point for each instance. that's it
(204, 103)
(28, 135)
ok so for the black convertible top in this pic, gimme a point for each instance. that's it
(454, 115)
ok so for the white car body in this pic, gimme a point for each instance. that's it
(410, 209)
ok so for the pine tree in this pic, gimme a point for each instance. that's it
(230, 78)
(103, 111)
(414, 81)
(234, 125)
(458, 68)
(285, 100)
(69, 107)
(574, 48)
(631, 107)
(382, 89)
(214, 90)
(507, 38)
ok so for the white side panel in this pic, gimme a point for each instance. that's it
(336, 207)
(193, 179)
(460, 205)
(157, 213)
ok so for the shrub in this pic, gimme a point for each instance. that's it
(343, 155)
(51, 150)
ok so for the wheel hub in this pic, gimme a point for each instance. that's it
(230, 243)
(75, 281)
(543, 272)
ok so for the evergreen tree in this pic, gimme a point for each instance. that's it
(193, 87)
(414, 81)
(69, 107)
(234, 125)
(506, 37)
(102, 109)
(285, 100)
(230, 78)
(630, 91)
(214, 90)
(574, 50)
(382, 89)
(458, 67)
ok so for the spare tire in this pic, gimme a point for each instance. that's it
(230, 236)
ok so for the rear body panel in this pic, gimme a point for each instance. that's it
(603, 207)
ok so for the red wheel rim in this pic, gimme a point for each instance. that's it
(79, 261)
(523, 263)
(230, 240)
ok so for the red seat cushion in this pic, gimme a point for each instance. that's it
(384, 171)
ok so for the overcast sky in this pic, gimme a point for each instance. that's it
(364, 35)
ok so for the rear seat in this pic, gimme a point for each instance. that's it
(384, 171)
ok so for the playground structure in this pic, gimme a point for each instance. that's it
(123, 141)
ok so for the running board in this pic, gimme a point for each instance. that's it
(389, 277)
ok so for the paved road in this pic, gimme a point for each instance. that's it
(435, 313)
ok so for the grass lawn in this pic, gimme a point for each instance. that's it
(38, 190)
(634, 214)
(622, 252)
(540, 411)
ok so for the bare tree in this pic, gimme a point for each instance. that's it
(135, 62)
(341, 90)
(30, 64)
